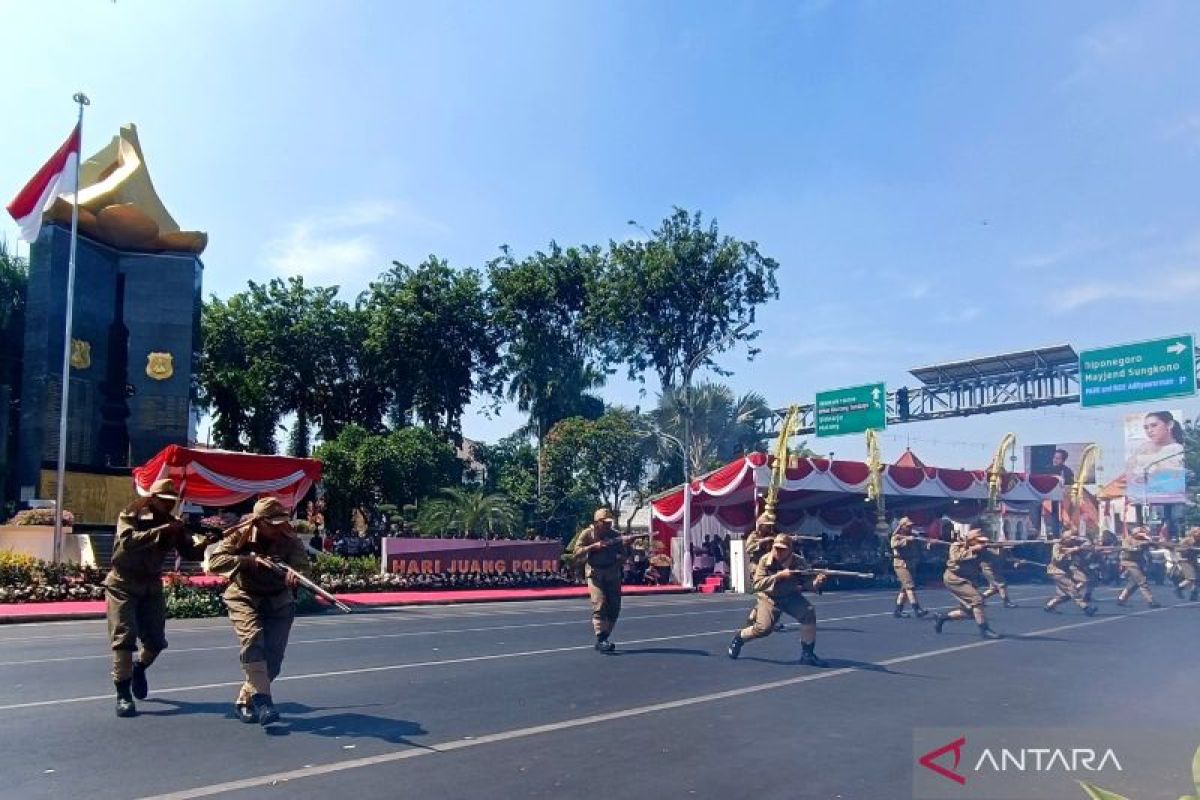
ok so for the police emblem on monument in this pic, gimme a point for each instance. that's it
(160, 366)
(81, 354)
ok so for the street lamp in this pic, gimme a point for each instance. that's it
(685, 568)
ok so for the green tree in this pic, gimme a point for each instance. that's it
(510, 467)
(14, 279)
(539, 306)
(429, 333)
(1191, 456)
(471, 514)
(591, 463)
(672, 303)
(723, 426)
(365, 469)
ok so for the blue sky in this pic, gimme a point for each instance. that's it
(938, 181)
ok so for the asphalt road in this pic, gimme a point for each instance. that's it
(511, 701)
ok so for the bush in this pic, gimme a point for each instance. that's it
(40, 516)
(330, 565)
(16, 568)
(185, 602)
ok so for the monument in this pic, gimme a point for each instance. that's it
(135, 341)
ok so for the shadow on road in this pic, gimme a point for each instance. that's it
(347, 724)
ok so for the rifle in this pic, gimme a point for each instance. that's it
(836, 573)
(283, 569)
(624, 539)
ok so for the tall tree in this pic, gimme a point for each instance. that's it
(595, 462)
(431, 337)
(723, 425)
(364, 469)
(539, 305)
(673, 302)
(14, 279)
(1191, 457)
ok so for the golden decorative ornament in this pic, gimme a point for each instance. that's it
(81, 354)
(119, 205)
(160, 366)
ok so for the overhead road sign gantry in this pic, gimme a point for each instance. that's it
(851, 410)
(1138, 372)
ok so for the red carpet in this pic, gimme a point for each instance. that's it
(94, 609)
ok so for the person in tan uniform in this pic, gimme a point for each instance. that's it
(758, 544)
(1066, 559)
(1135, 547)
(261, 602)
(1187, 550)
(962, 570)
(147, 531)
(778, 578)
(906, 555)
(992, 565)
(604, 552)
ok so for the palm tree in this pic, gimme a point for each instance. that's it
(723, 426)
(470, 514)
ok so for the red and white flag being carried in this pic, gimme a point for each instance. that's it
(56, 177)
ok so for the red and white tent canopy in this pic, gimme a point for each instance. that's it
(823, 496)
(224, 478)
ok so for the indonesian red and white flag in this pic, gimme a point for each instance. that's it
(56, 177)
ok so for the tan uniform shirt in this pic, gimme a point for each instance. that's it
(143, 541)
(233, 558)
(962, 562)
(905, 548)
(767, 580)
(1133, 551)
(606, 558)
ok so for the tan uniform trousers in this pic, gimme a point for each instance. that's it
(604, 590)
(903, 574)
(1066, 590)
(1187, 568)
(136, 611)
(262, 625)
(1135, 579)
(965, 592)
(768, 610)
(992, 577)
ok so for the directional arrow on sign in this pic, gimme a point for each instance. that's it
(875, 396)
(1176, 348)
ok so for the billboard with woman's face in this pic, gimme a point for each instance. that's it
(1154, 465)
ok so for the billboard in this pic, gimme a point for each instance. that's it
(463, 556)
(1154, 464)
(1059, 459)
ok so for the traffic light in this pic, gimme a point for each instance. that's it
(902, 410)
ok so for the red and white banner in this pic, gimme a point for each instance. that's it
(224, 478)
(55, 178)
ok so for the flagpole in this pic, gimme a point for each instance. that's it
(82, 100)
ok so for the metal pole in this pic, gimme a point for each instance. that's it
(82, 100)
(686, 577)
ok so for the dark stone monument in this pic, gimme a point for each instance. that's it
(135, 329)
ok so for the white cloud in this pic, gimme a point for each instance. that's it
(918, 291)
(341, 246)
(1187, 130)
(959, 316)
(1105, 46)
(1173, 287)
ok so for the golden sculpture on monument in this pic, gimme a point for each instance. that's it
(118, 204)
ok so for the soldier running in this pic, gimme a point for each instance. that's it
(261, 602)
(1187, 550)
(605, 552)
(147, 531)
(962, 570)
(758, 544)
(1066, 559)
(1134, 551)
(906, 554)
(778, 577)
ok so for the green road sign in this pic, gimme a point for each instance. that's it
(1137, 372)
(851, 410)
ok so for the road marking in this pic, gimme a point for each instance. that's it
(415, 664)
(596, 719)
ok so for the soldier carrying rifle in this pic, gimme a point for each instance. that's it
(261, 599)
(604, 551)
